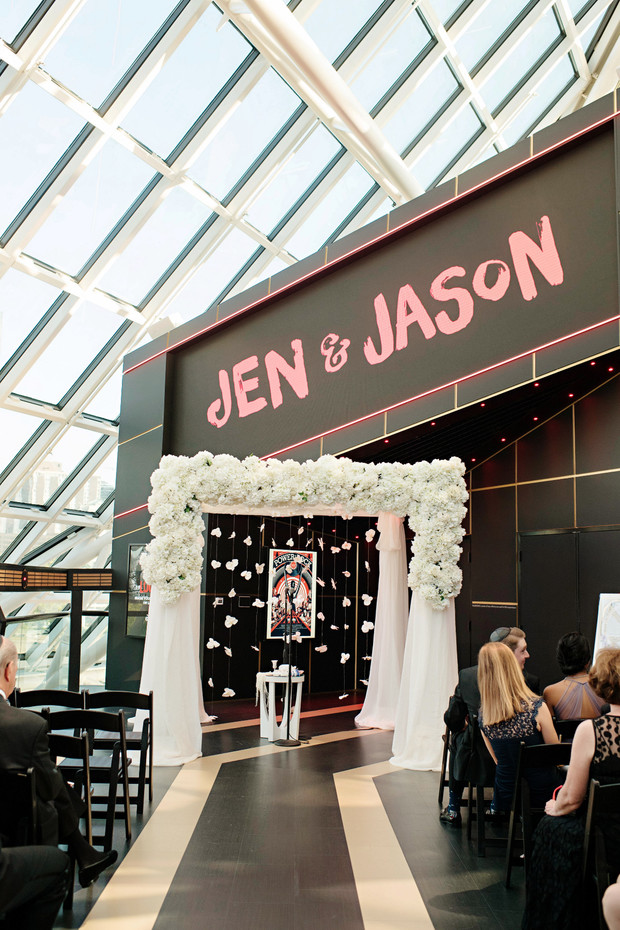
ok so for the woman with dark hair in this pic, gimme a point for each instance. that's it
(554, 899)
(573, 697)
(511, 714)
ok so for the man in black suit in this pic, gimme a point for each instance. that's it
(23, 743)
(33, 883)
(469, 758)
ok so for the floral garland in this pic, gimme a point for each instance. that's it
(432, 494)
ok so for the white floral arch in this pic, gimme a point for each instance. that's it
(431, 494)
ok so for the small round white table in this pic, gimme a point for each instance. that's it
(266, 686)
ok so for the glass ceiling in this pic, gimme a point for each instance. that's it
(171, 154)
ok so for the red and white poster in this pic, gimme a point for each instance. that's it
(292, 593)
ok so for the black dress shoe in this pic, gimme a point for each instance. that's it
(450, 816)
(90, 873)
(494, 816)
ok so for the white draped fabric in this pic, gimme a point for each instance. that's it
(171, 670)
(390, 632)
(429, 671)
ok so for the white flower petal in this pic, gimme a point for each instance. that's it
(212, 643)
(215, 563)
(248, 540)
(216, 532)
(230, 621)
(320, 648)
(228, 692)
(228, 651)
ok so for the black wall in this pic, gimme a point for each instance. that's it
(545, 532)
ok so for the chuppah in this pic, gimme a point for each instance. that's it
(430, 495)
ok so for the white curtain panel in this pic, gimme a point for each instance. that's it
(430, 670)
(392, 606)
(171, 670)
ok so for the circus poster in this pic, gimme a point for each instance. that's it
(292, 593)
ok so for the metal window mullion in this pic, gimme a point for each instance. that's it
(82, 473)
(24, 463)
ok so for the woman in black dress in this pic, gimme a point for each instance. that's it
(554, 898)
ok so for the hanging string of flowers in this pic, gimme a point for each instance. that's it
(431, 494)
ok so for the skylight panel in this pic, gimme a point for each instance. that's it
(531, 49)
(213, 275)
(102, 42)
(98, 487)
(421, 107)
(17, 428)
(251, 125)
(107, 402)
(445, 9)
(23, 301)
(436, 157)
(332, 209)
(60, 462)
(80, 339)
(587, 37)
(334, 23)
(292, 179)
(36, 130)
(189, 80)
(576, 6)
(13, 15)
(155, 245)
(492, 21)
(89, 210)
(553, 85)
(391, 60)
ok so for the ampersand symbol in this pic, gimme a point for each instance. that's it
(335, 358)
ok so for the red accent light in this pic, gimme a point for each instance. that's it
(367, 245)
(536, 384)
(535, 419)
(593, 363)
(473, 460)
(503, 439)
(433, 423)
(386, 440)
(610, 368)
(126, 513)
(357, 537)
(483, 404)
(571, 395)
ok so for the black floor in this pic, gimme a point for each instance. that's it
(269, 849)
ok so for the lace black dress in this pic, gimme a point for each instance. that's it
(554, 892)
(506, 738)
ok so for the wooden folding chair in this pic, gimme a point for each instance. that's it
(51, 698)
(603, 802)
(543, 755)
(105, 768)
(139, 740)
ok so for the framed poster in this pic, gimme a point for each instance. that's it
(292, 593)
(607, 623)
(138, 594)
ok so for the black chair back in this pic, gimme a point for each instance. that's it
(18, 810)
(545, 755)
(603, 803)
(50, 697)
(566, 728)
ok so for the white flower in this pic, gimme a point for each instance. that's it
(335, 549)
(370, 535)
(320, 582)
(260, 567)
(341, 697)
(297, 636)
(231, 566)
(332, 627)
(346, 545)
(255, 648)
(367, 626)
(367, 599)
(364, 681)
(367, 566)
(345, 626)
(257, 602)
(320, 648)
(215, 563)
(321, 543)
(228, 692)
(228, 651)
(210, 683)
(248, 540)
(230, 621)
(366, 658)
(232, 535)
(232, 592)
(346, 602)
(347, 574)
(212, 644)
(289, 542)
(246, 574)
(321, 615)
(216, 532)
(333, 583)
(344, 657)
(300, 530)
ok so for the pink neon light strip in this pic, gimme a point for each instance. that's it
(126, 513)
(475, 374)
(366, 245)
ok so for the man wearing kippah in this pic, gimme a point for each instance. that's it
(470, 760)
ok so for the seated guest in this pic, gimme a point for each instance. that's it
(573, 697)
(23, 743)
(33, 883)
(511, 714)
(469, 758)
(554, 895)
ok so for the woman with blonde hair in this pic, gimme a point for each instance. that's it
(511, 714)
(554, 893)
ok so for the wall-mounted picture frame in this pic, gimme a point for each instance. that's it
(138, 594)
(292, 593)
